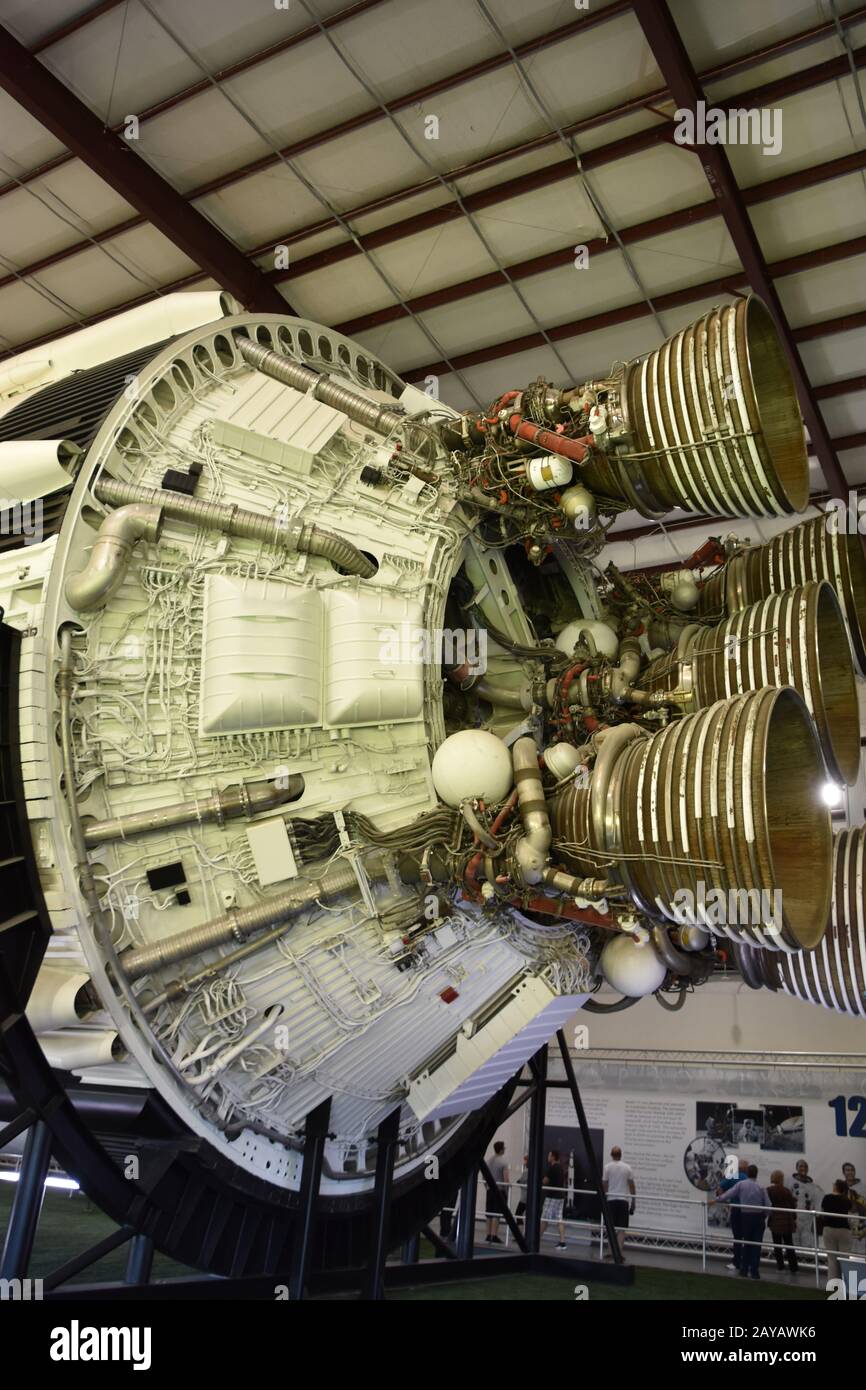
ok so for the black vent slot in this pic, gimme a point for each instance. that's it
(70, 409)
(76, 407)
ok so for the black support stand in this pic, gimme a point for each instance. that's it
(373, 1286)
(315, 1134)
(451, 1262)
(27, 1204)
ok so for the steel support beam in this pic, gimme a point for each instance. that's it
(496, 1197)
(16, 1127)
(139, 1262)
(535, 1165)
(27, 1203)
(465, 1241)
(88, 1257)
(440, 1245)
(592, 1161)
(410, 1253)
(315, 1134)
(676, 68)
(45, 98)
(373, 1288)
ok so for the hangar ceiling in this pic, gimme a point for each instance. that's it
(419, 177)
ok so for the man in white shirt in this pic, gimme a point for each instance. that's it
(618, 1183)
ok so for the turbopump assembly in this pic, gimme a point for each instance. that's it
(349, 773)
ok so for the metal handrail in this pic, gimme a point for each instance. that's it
(722, 1243)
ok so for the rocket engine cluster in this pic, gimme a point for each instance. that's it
(288, 861)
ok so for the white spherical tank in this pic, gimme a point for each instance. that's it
(579, 506)
(561, 759)
(604, 637)
(472, 763)
(632, 969)
(685, 594)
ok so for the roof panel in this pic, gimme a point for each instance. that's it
(661, 179)
(824, 291)
(519, 21)
(594, 70)
(410, 43)
(811, 127)
(25, 314)
(32, 23)
(399, 344)
(845, 414)
(558, 296)
(299, 93)
(120, 62)
(429, 260)
(496, 315)
(811, 217)
(198, 141)
(716, 33)
(222, 31)
(263, 207)
(685, 257)
(835, 357)
(55, 211)
(26, 144)
(492, 378)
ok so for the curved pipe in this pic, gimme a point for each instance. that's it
(575, 887)
(671, 1008)
(509, 697)
(748, 965)
(593, 1006)
(675, 960)
(534, 848)
(112, 550)
(483, 836)
(371, 414)
(610, 748)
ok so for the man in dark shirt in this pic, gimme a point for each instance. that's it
(736, 1216)
(837, 1231)
(554, 1202)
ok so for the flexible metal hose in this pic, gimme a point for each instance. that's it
(370, 414)
(235, 521)
(237, 924)
(247, 799)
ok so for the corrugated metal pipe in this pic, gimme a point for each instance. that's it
(371, 414)
(247, 799)
(237, 924)
(235, 521)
